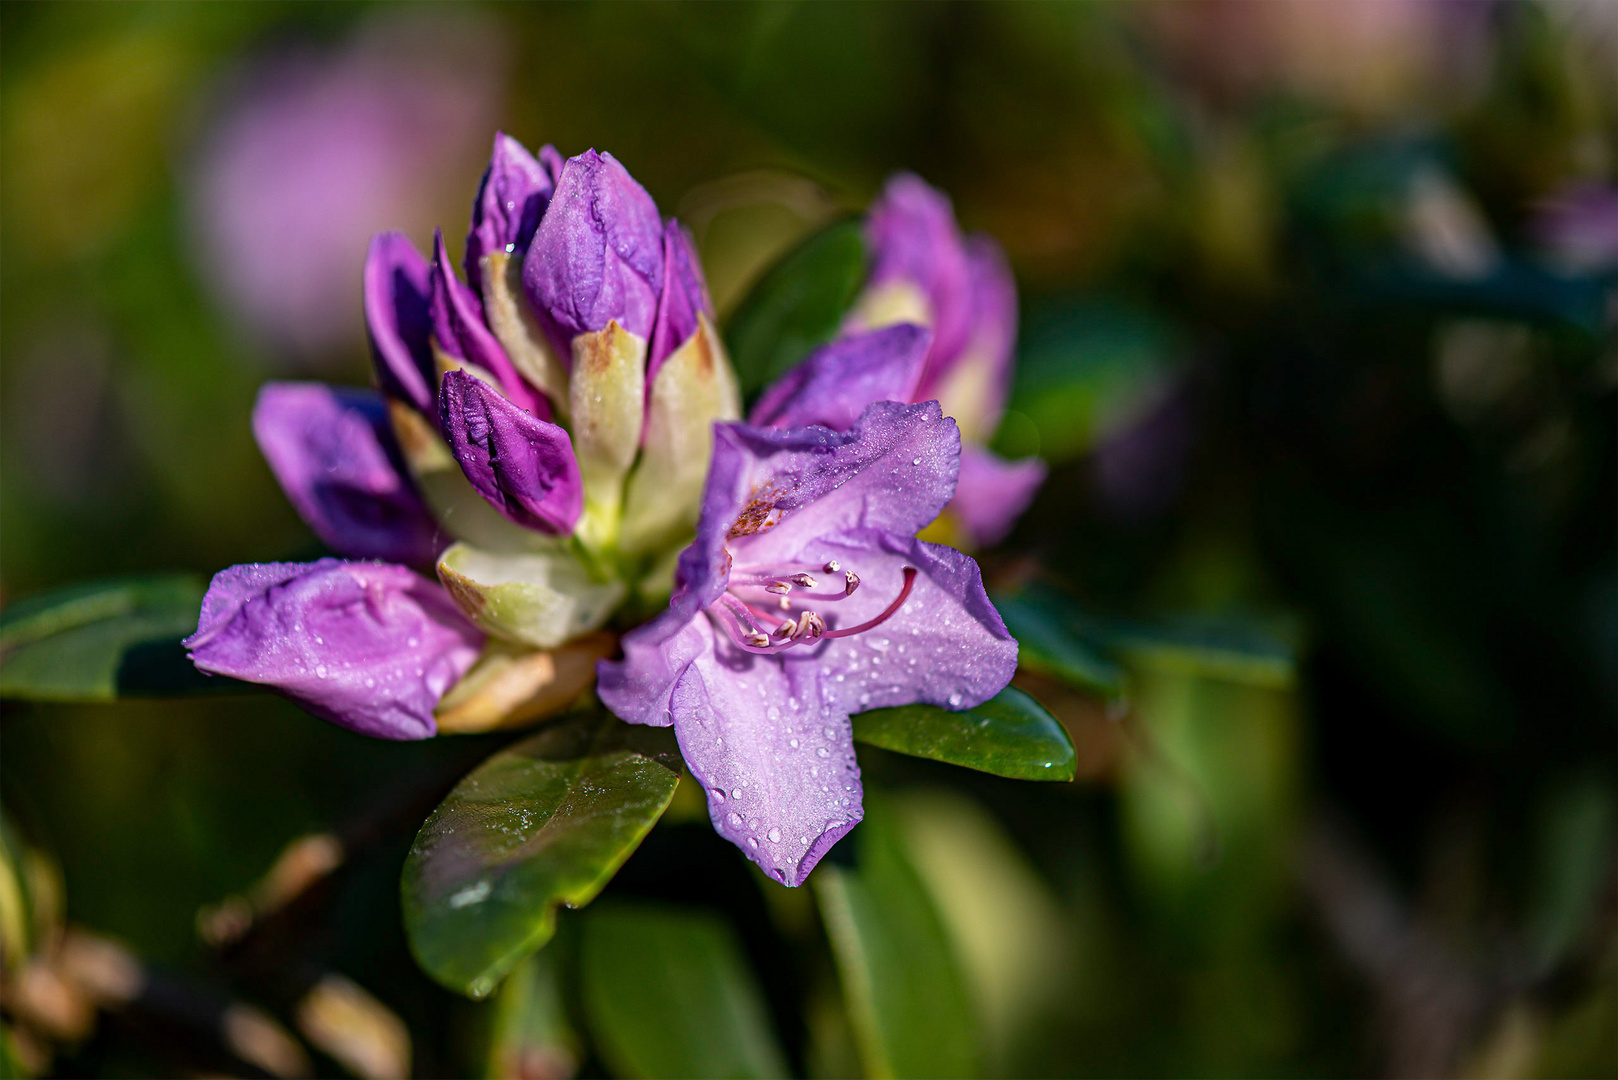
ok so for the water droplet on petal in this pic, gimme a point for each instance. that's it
(718, 794)
(774, 836)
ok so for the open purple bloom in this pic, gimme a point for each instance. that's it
(685, 296)
(993, 493)
(398, 295)
(458, 327)
(512, 198)
(522, 465)
(834, 384)
(805, 598)
(598, 253)
(368, 646)
(333, 453)
(915, 244)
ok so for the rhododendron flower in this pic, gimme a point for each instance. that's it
(806, 598)
(924, 272)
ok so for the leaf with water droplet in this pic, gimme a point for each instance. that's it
(482, 882)
(1011, 735)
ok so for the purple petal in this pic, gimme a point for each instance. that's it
(913, 237)
(598, 254)
(835, 383)
(369, 646)
(458, 326)
(397, 294)
(991, 343)
(522, 465)
(685, 294)
(333, 452)
(511, 199)
(778, 767)
(993, 493)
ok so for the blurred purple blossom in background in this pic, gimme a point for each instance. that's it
(314, 152)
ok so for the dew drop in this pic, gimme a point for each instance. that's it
(734, 818)
(752, 841)
(774, 836)
(915, 461)
(718, 794)
(821, 751)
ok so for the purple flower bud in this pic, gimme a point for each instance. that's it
(334, 454)
(368, 646)
(458, 327)
(915, 244)
(685, 295)
(522, 465)
(834, 384)
(598, 254)
(511, 200)
(397, 291)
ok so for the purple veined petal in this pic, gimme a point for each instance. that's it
(834, 384)
(522, 465)
(458, 326)
(893, 470)
(553, 161)
(511, 199)
(993, 493)
(333, 452)
(974, 384)
(685, 296)
(637, 688)
(946, 645)
(398, 292)
(368, 646)
(777, 766)
(598, 254)
(914, 240)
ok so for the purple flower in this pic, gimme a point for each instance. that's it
(368, 646)
(398, 297)
(834, 384)
(512, 198)
(805, 598)
(522, 465)
(334, 454)
(685, 297)
(917, 255)
(598, 253)
(458, 328)
(993, 493)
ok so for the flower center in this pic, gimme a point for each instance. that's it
(767, 610)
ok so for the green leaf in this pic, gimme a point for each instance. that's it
(798, 304)
(906, 997)
(667, 993)
(1048, 647)
(547, 821)
(1011, 734)
(530, 1034)
(105, 640)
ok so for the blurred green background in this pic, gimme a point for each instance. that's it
(1318, 312)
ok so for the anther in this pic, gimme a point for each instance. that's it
(787, 629)
(778, 587)
(811, 626)
(833, 566)
(803, 581)
(785, 602)
(851, 582)
(757, 640)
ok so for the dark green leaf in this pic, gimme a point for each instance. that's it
(104, 640)
(530, 1034)
(1008, 735)
(1047, 646)
(668, 994)
(906, 997)
(798, 304)
(547, 821)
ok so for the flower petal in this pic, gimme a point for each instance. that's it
(522, 465)
(598, 254)
(540, 598)
(973, 385)
(834, 383)
(459, 330)
(685, 297)
(774, 753)
(368, 646)
(397, 294)
(993, 493)
(333, 452)
(512, 198)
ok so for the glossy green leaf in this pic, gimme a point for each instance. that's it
(530, 1034)
(544, 822)
(668, 993)
(105, 640)
(1011, 734)
(906, 997)
(798, 304)
(1047, 646)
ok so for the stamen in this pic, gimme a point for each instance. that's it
(778, 587)
(851, 581)
(887, 613)
(803, 581)
(832, 567)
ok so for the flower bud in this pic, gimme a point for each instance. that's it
(397, 297)
(369, 646)
(460, 332)
(522, 465)
(512, 685)
(598, 254)
(607, 408)
(685, 297)
(334, 454)
(541, 599)
(511, 200)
